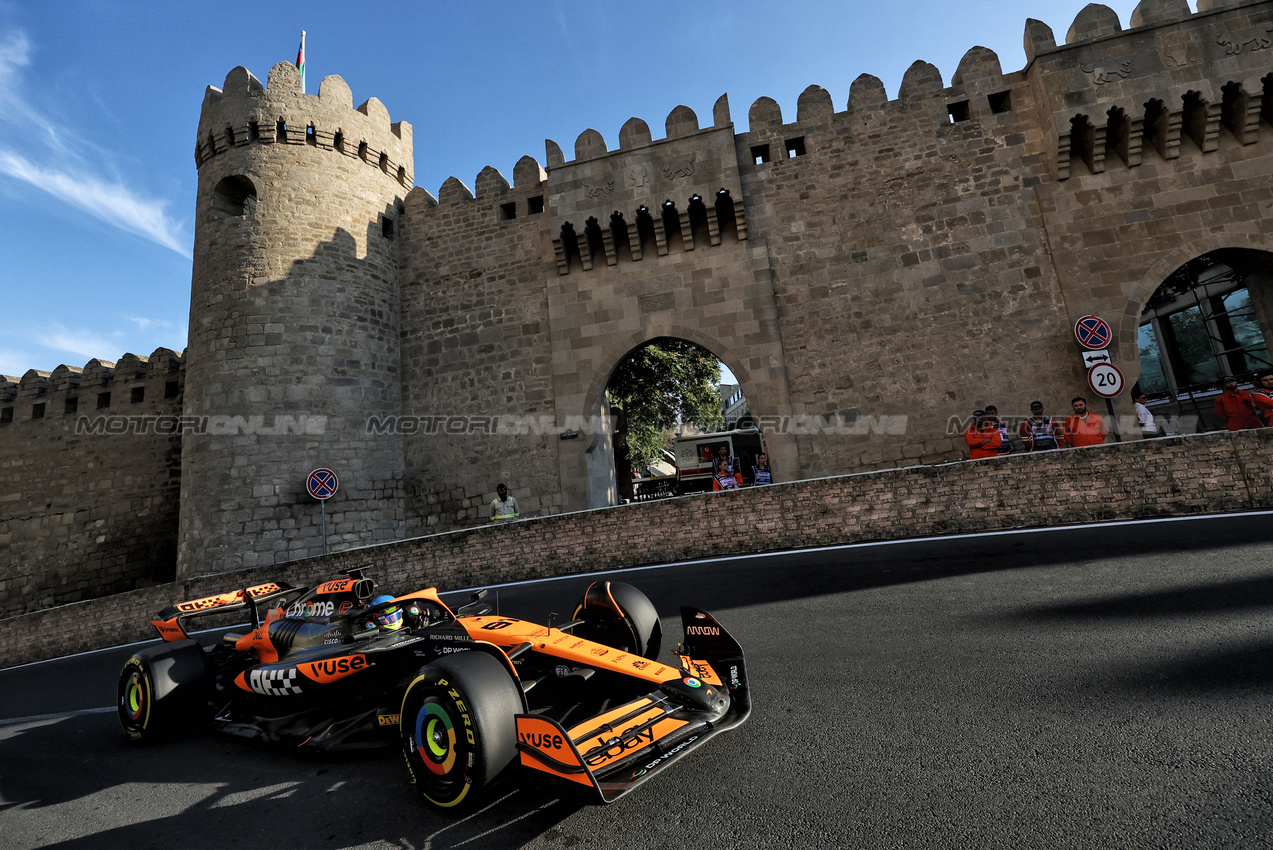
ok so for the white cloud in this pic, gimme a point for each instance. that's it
(73, 180)
(85, 344)
(110, 202)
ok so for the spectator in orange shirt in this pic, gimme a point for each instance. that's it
(1235, 407)
(983, 436)
(1262, 395)
(1083, 428)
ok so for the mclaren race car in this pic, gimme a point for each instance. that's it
(464, 693)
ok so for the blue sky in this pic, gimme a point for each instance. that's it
(99, 104)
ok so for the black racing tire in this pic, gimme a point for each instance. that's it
(163, 691)
(458, 726)
(619, 615)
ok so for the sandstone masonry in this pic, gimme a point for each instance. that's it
(910, 257)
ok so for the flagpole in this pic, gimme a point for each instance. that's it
(300, 61)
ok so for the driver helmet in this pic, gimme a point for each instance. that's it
(391, 617)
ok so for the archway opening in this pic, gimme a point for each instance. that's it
(1210, 318)
(663, 395)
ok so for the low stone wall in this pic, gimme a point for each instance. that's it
(1155, 478)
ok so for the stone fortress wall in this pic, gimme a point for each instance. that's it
(91, 463)
(913, 257)
(878, 269)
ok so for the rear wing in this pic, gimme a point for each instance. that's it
(171, 626)
(615, 752)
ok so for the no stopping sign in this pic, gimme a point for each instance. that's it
(322, 484)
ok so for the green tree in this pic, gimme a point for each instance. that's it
(666, 382)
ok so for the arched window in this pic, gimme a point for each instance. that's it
(1209, 319)
(234, 196)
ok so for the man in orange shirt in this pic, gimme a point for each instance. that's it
(983, 436)
(1262, 395)
(1083, 428)
(1235, 407)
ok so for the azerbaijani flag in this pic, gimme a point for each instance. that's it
(300, 60)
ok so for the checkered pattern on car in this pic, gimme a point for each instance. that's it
(274, 683)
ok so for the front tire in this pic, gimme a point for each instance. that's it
(620, 616)
(163, 691)
(458, 727)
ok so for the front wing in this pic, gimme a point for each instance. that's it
(616, 751)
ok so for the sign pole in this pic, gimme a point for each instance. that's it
(322, 484)
(1105, 379)
(1109, 405)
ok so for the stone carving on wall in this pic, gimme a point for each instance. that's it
(638, 177)
(1102, 75)
(597, 191)
(672, 172)
(1249, 40)
(1179, 52)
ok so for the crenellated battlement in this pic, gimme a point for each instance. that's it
(244, 112)
(99, 386)
(1106, 92)
(1172, 77)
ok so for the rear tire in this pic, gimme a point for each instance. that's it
(163, 691)
(458, 726)
(619, 615)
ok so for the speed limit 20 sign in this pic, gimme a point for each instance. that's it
(1105, 379)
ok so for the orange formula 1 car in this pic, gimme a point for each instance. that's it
(465, 693)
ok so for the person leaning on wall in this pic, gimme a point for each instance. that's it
(1148, 428)
(982, 436)
(1235, 408)
(1083, 428)
(504, 507)
(1039, 433)
(1262, 395)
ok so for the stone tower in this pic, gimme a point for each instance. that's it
(294, 323)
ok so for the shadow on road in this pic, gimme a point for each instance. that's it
(801, 574)
(210, 793)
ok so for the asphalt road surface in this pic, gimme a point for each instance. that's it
(1107, 687)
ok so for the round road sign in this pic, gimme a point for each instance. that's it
(1093, 332)
(322, 484)
(1105, 379)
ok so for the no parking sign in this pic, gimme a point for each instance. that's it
(1093, 332)
(322, 484)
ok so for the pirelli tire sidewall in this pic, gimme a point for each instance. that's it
(163, 691)
(458, 727)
